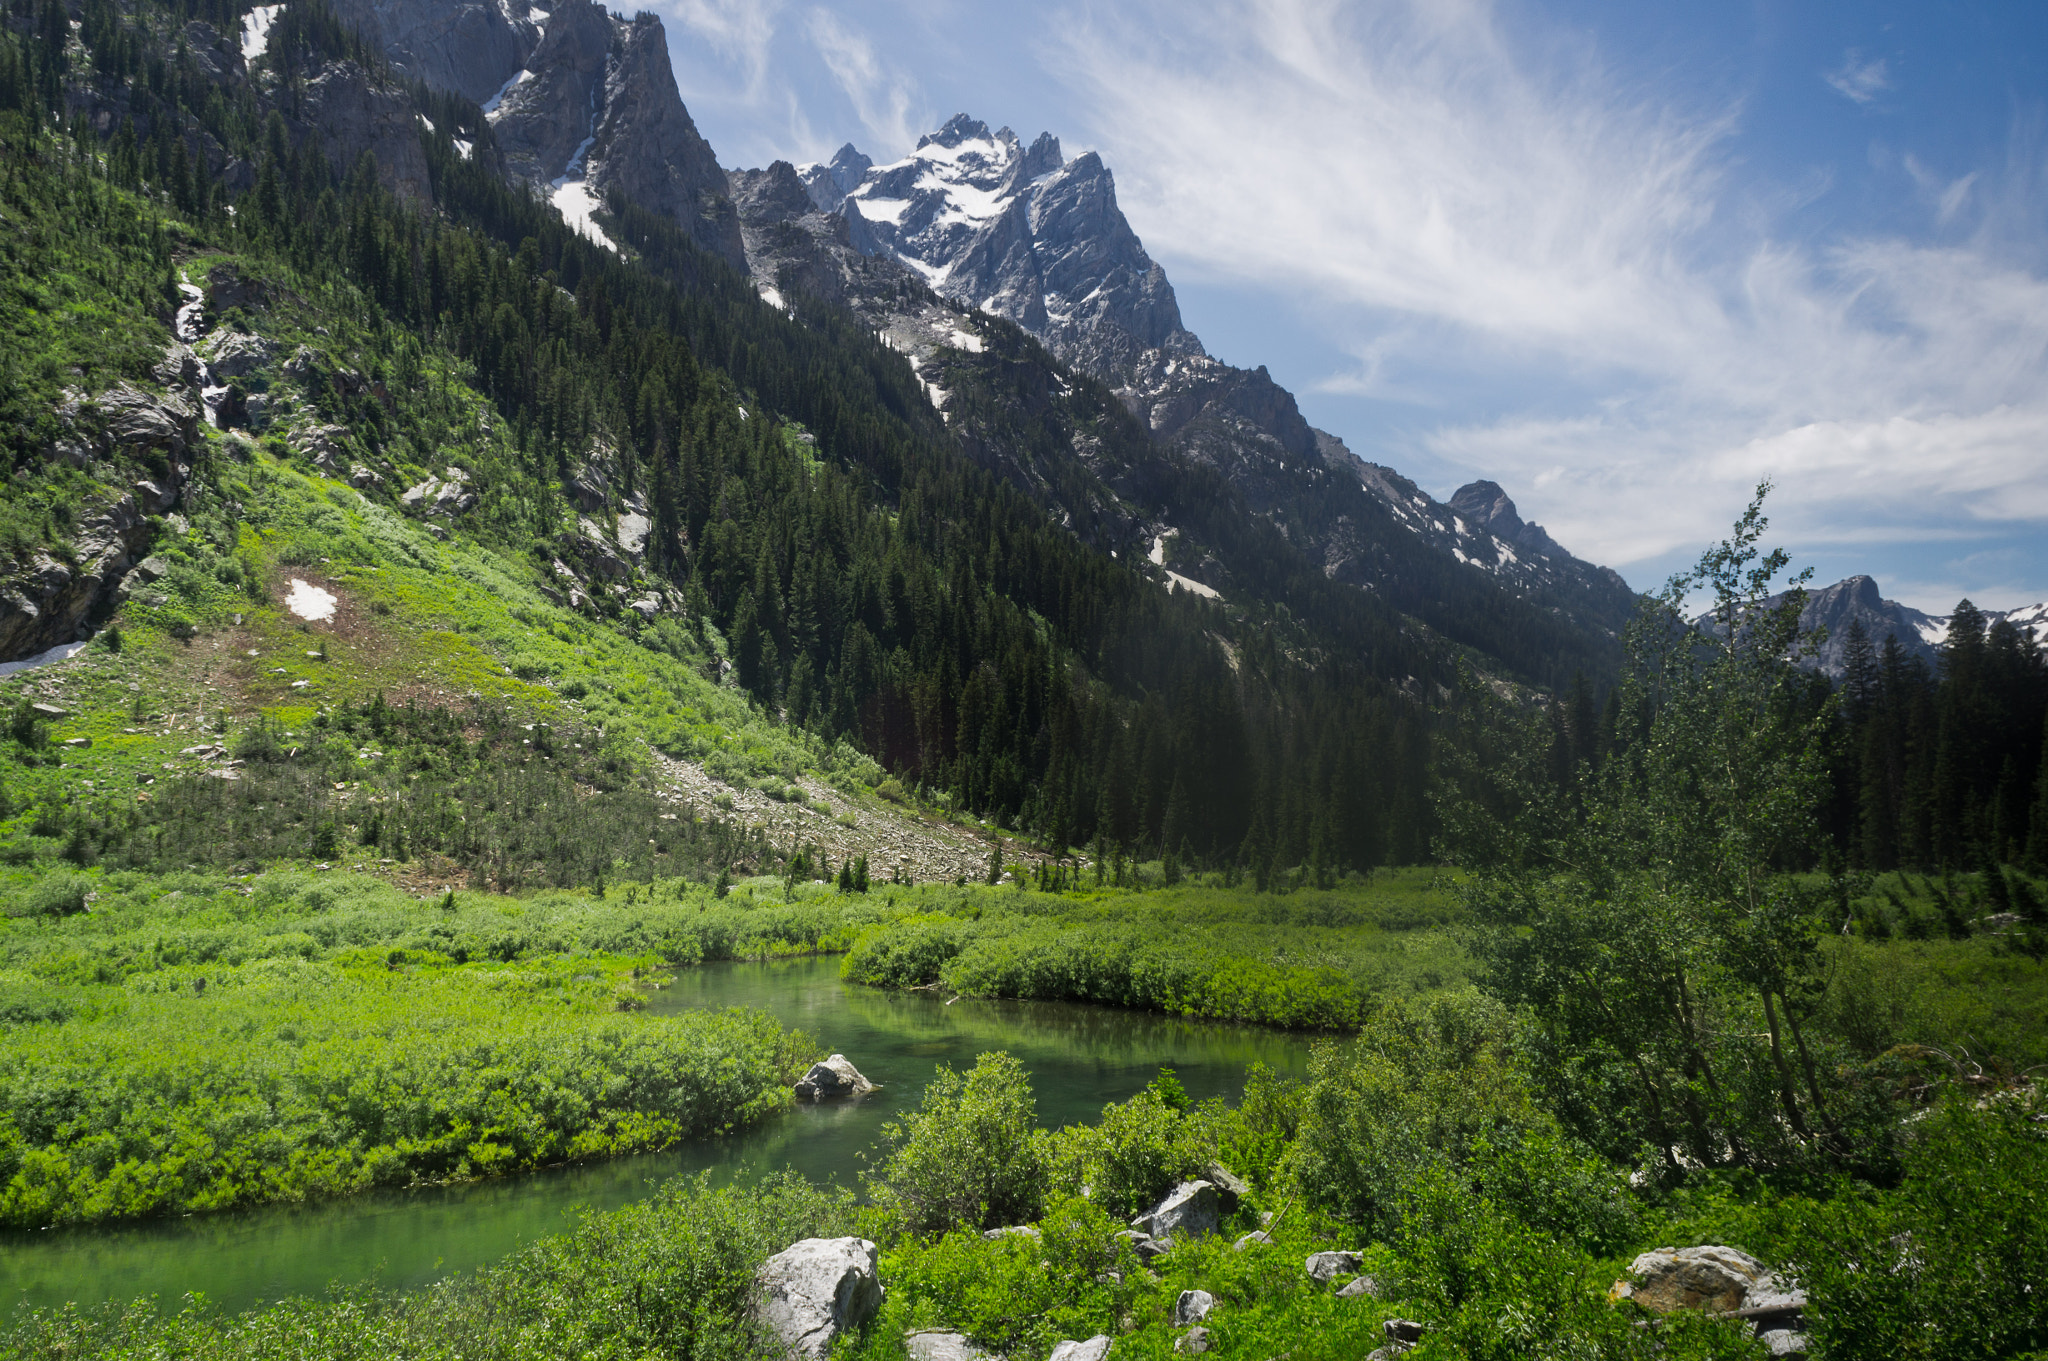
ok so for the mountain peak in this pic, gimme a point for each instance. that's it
(1486, 505)
(959, 128)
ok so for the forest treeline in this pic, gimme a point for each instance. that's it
(865, 579)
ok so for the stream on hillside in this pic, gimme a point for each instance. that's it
(1080, 1058)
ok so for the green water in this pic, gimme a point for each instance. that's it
(1079, 1057)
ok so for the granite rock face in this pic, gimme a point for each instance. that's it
(469, 46)
(648, 147)
(353, 112)
(580, 102)
(50, 600)
(1020, 232)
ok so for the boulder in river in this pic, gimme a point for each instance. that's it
(816, 1289)
(1192, 1207)
(835, 1076)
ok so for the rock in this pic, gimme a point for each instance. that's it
(136, 419)
(49, 712)
(835, 1076)
(1144, 1244)
(1364, 1287)
(1324, 1267)
(1229, 1189)
(1784, 1342)
(362, 478)
(1193, 1342)
(1713, 1278)
(469, 46)
(1013, 1231)
(46, 602)
(1094, 1349)
(355, 112)
(1256, 1238)
(78, 741)
(226, 288)
(1190, 1208)
(178, 368)
(646, 606)
(152, 568)
(934, 1346)
(235, 354)
(451, 495)
(1402, 1334)
(816, 1289)
(1192, 1307)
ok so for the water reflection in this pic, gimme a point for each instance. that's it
(1080, 1058)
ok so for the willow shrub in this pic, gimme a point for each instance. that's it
(1245, 973)
(1952, 1262)
(290, 1080)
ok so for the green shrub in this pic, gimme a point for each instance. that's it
(968, 1156)
(1421, 1086)
(1949, 1265)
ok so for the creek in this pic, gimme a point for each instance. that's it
(1080, 1058)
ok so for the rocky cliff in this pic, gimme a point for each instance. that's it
(1021, 232)
(581, 103)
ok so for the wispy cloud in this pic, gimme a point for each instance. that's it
(741, 31)
(1533, 221)
(1858, 79)
(883, 97)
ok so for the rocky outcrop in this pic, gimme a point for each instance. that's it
(1230, 1189)
(550, 112)
(50, 600)
(816, 1289)
(469, 46)
(1189, 1209)
(1094, 1349)
(1018, 231)
(450, 494)
(595, 105)
(834, 1076)
(1488, 507)
(353, 112)
(649, 149)
(1402, 1336)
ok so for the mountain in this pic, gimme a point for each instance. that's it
(583, 103)
(1017, 231)
(1857, 600)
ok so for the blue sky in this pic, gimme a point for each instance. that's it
(1624, 259)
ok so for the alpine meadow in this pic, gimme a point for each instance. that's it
(802, 716)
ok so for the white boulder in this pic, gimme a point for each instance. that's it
(816, 1289)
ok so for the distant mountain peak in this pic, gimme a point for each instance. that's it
(1490, 508)
(959, 129)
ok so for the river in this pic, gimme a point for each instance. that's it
(1080, 1058)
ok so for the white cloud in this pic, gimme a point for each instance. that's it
(882, 97)
(1531, 221)
(1860, 80)
(741, 31)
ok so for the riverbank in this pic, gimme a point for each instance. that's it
(405, 1239)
